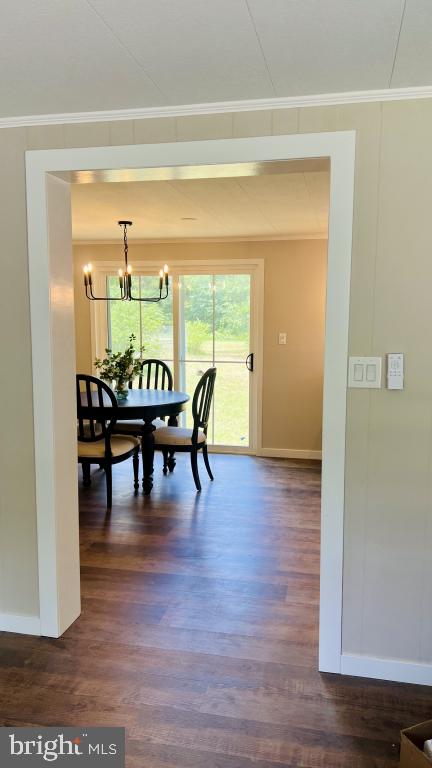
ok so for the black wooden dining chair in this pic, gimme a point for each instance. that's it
(154, 374)
(96, 442)
(191, 440)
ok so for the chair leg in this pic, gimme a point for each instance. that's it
(86, 474)
(194, 465)
(135, 461)
(171, 460)
(165, 460)
(207, 463)
(108, 476)
(172, 422)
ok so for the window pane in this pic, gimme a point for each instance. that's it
(231, 404)
(157, 321)
(197, 302)
(232, 317)
(123, 317)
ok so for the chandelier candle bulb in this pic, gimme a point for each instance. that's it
(166, 274)
(160, 280)
(120, 274)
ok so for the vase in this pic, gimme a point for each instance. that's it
(121, 391)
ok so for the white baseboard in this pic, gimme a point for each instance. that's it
(23, 625)
(396, 670)
(289, 453)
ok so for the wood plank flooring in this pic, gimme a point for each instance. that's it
(199, 631)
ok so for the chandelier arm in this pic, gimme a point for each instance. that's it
(144, 298)
(151, 299)
(92, 297)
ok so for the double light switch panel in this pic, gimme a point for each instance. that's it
(364, 372)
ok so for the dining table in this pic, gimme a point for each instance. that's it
(144, 405)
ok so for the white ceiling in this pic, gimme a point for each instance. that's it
(286, 205)
(87, 55)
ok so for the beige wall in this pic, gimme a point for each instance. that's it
(388, 522)
(294, 299)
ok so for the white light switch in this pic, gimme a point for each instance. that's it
(364, 372)
(395, 370)
(282, 338)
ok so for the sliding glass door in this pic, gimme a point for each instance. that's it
(215, 331)
(206, 321)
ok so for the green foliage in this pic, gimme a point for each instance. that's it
(197, 333)
(154, 321)
(231, 306)
(120, 367)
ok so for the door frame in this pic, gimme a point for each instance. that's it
(51, 311)
(255, 267)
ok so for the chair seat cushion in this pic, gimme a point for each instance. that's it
(96, 450)
(176, 436)
(134, 426)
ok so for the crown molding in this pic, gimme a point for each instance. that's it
(246, 105)
(197, 240)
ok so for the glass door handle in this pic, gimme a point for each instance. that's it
(250, 362)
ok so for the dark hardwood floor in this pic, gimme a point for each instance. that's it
(199, 631)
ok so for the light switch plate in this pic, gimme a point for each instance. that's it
(282, 337)
(364, 372)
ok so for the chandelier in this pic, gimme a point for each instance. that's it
(125, 278)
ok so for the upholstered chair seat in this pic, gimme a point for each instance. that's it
(177, 436)
(119, 445)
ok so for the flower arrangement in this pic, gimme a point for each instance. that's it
(120, 367)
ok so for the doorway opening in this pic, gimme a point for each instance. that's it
(48, 178)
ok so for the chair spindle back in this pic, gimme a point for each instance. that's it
(92, 396)
(202, 401)
(155, 374)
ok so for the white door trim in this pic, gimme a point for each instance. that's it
(399, 670)
(55, 596)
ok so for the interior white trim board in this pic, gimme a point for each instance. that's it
(242, 105)
(51, 282)
(23, 625)
(398, 670)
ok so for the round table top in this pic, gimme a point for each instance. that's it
(146, 404)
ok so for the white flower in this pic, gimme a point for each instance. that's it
(130, 370)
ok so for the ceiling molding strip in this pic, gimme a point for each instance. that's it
(221, 239)
(246, 105)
